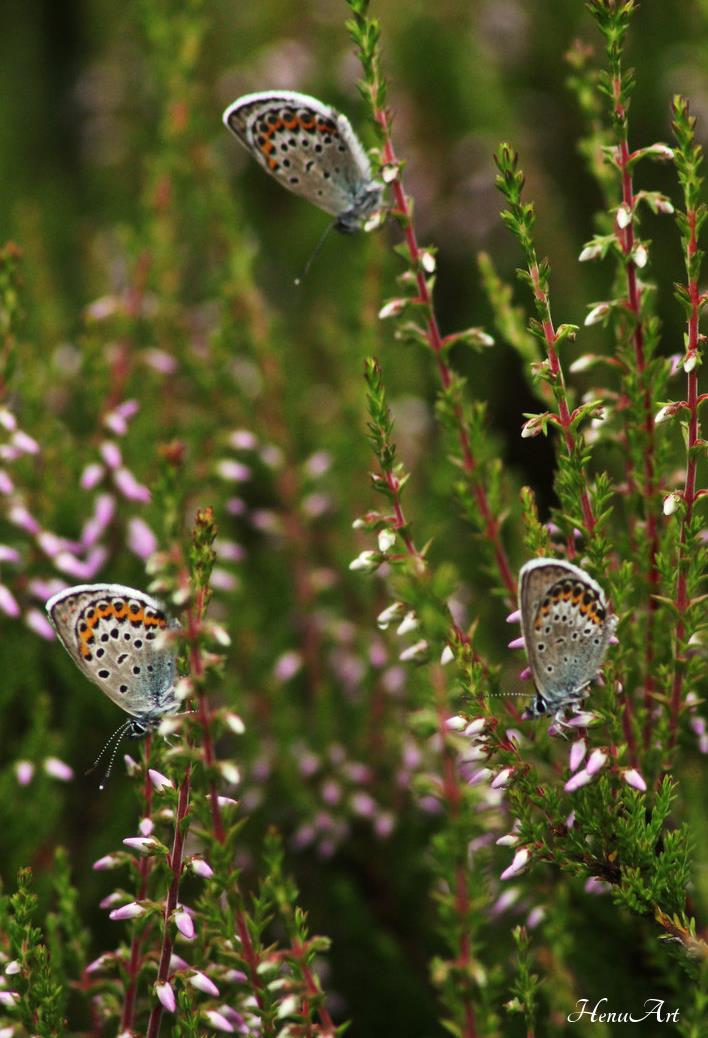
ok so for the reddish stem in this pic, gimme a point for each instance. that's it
(128, 1015)
(689, 491)
(469, 461)
(627, 241)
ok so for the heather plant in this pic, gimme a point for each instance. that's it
(348, 826)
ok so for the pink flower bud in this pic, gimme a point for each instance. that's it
(146, 826)
(108, 861)
(166, 996)
(517, 643)
(233, 471)
(97, 965)
(514, 618)
(91, 476)
(110, 452)
(287, 666)
(183, 922)
(363, 805)
(8, 603)
(456, 724)
(577, 754)
(141, 540)
(38, 623)
(129, 487)
(502, 779)
(24, 772)
(518, 864)
(632, 777)
(130, 911)
(160, 361)
(579, 779)
(596, 762)
(159, 780)
(201, 868)
(143, 844)
(57, 769)
(202, 983)
(20, 517)
(595, 885)
(218, 1021)
(535, 916)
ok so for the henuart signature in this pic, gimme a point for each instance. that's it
(652, 1007)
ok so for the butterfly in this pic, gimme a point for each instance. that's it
(567, 627)
(112, 634)
(311, 149)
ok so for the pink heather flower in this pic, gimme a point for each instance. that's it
(596, 762)
(177, 963)
(480, 776)
(7, 420)
(202, 983)
(236, 506)
(234, 723)
(475, 727)
(384, 824)
(287, 665)
(110, 899)
(110, 452)
(518, 864)
(525, 674)
(508, 898)
(318, 463)
(159, 780)
(8, 603)
(233, 471)
(456, 724)
(85, 569)
(6, 484)
(228, 551)
(57, 769)
(595, 885)
(97, 965)
(166, 996)
(632, 777)
(582, 720)
(129, 487)
(363, 805)
(141, 540)
(183, 922)
(502, 779)
(580, 778)
(218, 1021)
(514, 618)
(200, 867)
(222, 580)
(577, 754)
(91, 476)
(130, 911)
(160, 361)
(243, 440)
(24, 772)
(535, 916)
(143, 844)
(331, 792)
(19, 516)
(146, 826)
(516, 643)
(272, 456)
(108, 861)
(24, 443)
(9, 999)
(508, 840)
(8, 554)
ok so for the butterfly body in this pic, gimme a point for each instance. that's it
(310, 149)
(567, 627)
(112, 634)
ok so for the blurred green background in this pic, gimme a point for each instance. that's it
(82, 129)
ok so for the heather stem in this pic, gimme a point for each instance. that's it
(128, 1015)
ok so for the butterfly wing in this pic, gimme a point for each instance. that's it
(308, 147)
(565, 624)
(110, 633)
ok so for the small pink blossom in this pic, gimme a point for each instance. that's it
(130, 911)
(202, 983)
(129, 487)
(535, 916)
(91, 476)
(184, 923)
(97, 965)
(233, 471)
(514, 618)
(596, 761)
(8, 554)
(525, 674)
(7, 420)
(24, 772)
(579, 779)
(110, 452)
(577, 754)
(110, 899)
(6, 484)
(595, 885)
(502, 778)
(480, 776)
(159, 780)
(160, 361)
(218, 1021)
(287, 666)
(9, 999)
(384, 824)
(8, 603)
(518, 864)
(508, 898)
(19, 516)
(108, 861)
(141, 540)
(363, 805)
(200, 867)
(166, 996)
(38, 623)
(243, 440)
(143, 844)
(517, 643)
(456, 724)
(57, 769)
(632, 777)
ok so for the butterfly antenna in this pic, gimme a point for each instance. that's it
(116, 738)
(315, 252)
